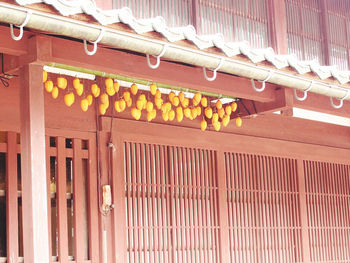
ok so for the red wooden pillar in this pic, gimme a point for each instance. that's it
(278, 26)
(33, 161)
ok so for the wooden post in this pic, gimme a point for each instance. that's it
(325, 32)
(222, 207)
(278, 26)
(33, 161)
(303, 212)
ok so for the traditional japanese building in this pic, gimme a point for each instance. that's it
(174, 131)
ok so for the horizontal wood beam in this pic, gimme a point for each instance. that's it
(10, 46)
(121, 62)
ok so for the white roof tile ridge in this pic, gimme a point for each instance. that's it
(173, 34)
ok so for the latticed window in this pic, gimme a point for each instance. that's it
(304, 29)
(176, 13)
(238, 20)
(339, 29)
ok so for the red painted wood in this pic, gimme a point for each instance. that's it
(78, 192)
(93, 205)
(222, 206)
(325, 31)
(12, 197)
(62, 201)
(278, 26)
(48, 178)
(36, 240)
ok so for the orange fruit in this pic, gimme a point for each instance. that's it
(84, 104)
(165, 116)
(134, 89)
(221, 113)
(76, 83)
(228, 110)
(181, 96)
(153, 88)
(185, 102)
(171, 115)
(95, 90)
(128, 102)
(89, 98)
(239, 122)
(136, 113)
(217, 126)
(139, 104)
(171, 95)
(110, 90)
(126, 95)
(208, 112)
(104, 98)
(194, 113)
(117, 106)
(158, 94)
(48, 85)
(109, 83)
(234, 106)
(215, 118)
(197, 97)
(116, 86)
(103, 108)
(195, 102)
(218, 104)
(204, 125)
(168, 106)
(142, 97)
(44, 76)
(69, 99)
(225, 120)
(54, 92)
(176, 101)
(179, 116)
(122, 105)
(199, 110)
(187, 112)
(158, 102)
(204, 102)
(149, 106)
(153, 113)
(62, 83)
(149, 116)
(80, 90)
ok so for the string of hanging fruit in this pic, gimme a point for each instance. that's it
(171, 106)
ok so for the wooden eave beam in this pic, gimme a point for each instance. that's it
(10, 46)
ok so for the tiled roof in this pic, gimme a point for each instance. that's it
(173, 34)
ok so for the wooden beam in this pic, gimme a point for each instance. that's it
(33, 163)
(10, 46)
(278, 26)
(120, 62)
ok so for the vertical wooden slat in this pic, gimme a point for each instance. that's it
(93, 204)
(78, 195)
(11, 198)
(62, 200)
(48, 178)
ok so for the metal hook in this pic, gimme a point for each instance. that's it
(263, 82)
(341, 100)
(157, 57)
(93, 52)
(305, 92)
(214, 71)
(25, 22)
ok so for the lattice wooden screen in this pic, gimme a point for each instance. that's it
(328, 203)
(171, 204)
(305, 30)
(263, 208)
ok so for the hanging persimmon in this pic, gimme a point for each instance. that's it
(218, 104)
(175, 101)
(179, 114)
(95, 90)
(204, 125)
(44, 76)
(165, 116)
(116, 86)
(185, 102)
(149, 106)
(171, 96)
(69, 99)
(126, 95)
(181, 96)
(225, 120)
(204, 102)
(187, 113)
(62, 82)
(104, 98)
(136, 113)
(208, 112)
(171, 114)
(103, 108)
(234, 106)
(109, 83)
(239, 122)
(217, 126)
(228, 110)
(84, 104)
(134, 89)
(122, 104)
(89, 98)
(153, 89)
(221, 113)
(76, 83)
(54, 92)
(48, 85)
(215, 118)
